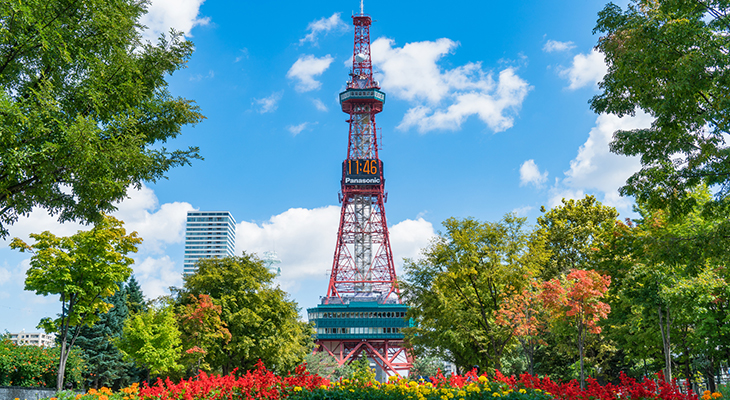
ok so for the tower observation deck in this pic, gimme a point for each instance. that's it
(362, 313)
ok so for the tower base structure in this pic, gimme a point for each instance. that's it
(352, 328)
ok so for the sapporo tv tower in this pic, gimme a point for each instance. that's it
(362, 314)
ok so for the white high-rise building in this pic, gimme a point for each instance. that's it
(208, 234)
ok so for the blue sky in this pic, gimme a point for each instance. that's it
(486, 113)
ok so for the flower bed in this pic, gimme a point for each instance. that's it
(261, 384)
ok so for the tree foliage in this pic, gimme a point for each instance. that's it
(83, 269)
(525, 313)
(573, 231)
(672, 288)
(202, 329)
(576, 300)
(84, 106)
(457, 288)
(263, 323)
(669, 58)
(105, 366)
(152, 338)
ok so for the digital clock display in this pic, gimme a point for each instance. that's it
(362, 172)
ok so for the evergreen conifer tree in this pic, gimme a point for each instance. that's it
(105, 365)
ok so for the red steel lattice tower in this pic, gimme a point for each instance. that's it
(362, 312)
(363, 262)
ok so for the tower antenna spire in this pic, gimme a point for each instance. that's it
(361, 8)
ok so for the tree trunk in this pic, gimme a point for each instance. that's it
(688, 369)
(61, 365)
(710, 373)
(580, 351)
(666, 344)
(528, 347)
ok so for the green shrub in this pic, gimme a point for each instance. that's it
(32, 366)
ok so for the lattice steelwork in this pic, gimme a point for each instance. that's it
(363, 262)
(362, 313)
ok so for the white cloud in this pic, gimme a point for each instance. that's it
(182, 15)
(522, 211)
(595, 170)
(268, 104)
(304, 240)
(200, 77)
(305, 68)
(558, 193)
(319, 105)
(297, 129)
(5, 275)
(323, 25)
(408, 238)
(587, 69)
(554, 45)
(156, 275)
(444, 99)
(159, 226)
(530, 174)
(595, 167)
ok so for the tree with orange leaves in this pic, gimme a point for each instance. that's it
(201, 328)
(525, 314)
(575, 299)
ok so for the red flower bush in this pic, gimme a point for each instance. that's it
(629, 389)
(257, 384)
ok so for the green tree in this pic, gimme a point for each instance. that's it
(83, 269)
(574, 231)
(152, 338)
(669, 58)
(135, 297)
(455, 291)
(105, 364)
(202, 328)
(263, 322)
(84, 106)
(670, 285)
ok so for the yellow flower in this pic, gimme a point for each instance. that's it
(495, 394)
(444, 398)
(482, 379)
(297, 389)
(538, 390)
(523, 391)
(324, 386)
(461, 393)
